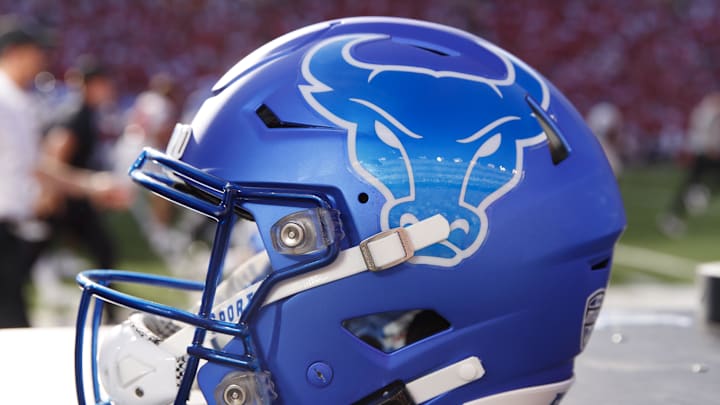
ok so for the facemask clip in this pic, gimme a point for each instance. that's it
(307, 231)
(245, 388)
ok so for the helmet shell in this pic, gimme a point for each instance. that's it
(394, 109)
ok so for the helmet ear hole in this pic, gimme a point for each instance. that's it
(391, 331)
(363, 198)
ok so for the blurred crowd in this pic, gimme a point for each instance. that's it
(653, 59)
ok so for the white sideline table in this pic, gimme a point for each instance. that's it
(38, 366)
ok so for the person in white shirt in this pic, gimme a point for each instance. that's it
(31, 183)
(606, 122)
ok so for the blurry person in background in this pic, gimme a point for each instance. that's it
(150, 122)
(73, 141)
(605, 120)
(703, 173)
(32, 183)
(22, 57)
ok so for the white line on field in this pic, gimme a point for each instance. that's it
(653, 261)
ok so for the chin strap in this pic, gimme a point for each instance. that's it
(379, 252)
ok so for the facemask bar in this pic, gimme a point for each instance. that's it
(229, 196)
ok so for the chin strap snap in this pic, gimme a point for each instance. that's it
(379, 252)
(428, 386)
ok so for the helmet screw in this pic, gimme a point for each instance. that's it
(234, 395)
(319, 374)
(292, 234)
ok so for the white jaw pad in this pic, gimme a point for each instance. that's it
(538, 395)
(134, 370)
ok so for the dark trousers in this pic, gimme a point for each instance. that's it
(82, 224)
(17, 257)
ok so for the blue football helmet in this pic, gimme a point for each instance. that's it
(438, 225)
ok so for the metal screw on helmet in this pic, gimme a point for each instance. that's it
(234, 395)
(292, 234)
(319, 374)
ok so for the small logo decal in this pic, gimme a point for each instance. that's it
(592, 310)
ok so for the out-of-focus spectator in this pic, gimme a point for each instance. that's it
(704, 131)
(605, 120)
(152, 116)
(22, 57)
(694, 192)
(73, 141)
(150, 122)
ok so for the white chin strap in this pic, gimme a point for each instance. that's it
(379, 252)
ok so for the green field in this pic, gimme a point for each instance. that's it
(644, 252)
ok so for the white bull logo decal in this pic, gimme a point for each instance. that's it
(431, 141)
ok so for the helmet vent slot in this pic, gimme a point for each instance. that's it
(600, 265)
(393, 330)
(432, 50)
(559, 147)
(431, 47)
(271, 120)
